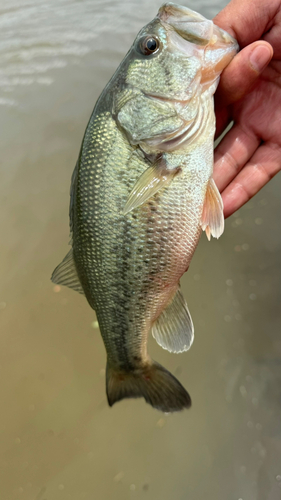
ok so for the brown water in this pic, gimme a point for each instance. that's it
(58, 438)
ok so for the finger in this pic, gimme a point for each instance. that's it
(243, 71)
(234, 151)
(273, 36)
(265, 163)
(247, 21)
(238, 78)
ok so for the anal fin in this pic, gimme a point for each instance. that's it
(66, 274)
(174, 330)
(212, 220)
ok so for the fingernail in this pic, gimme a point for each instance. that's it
(260, 57)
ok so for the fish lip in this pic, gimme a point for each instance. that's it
(171, 9)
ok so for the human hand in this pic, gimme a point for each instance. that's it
(250, 153)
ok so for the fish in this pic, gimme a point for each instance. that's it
(141, 193)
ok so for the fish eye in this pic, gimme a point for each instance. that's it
(149, 45)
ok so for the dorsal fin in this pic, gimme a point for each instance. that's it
(66, 274)
(174, 330)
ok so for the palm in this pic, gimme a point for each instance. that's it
(250, 155)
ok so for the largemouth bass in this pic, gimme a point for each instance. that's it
(141, 193)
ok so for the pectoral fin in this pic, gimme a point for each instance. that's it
(174, 329)
(212, 220)
(150, 182)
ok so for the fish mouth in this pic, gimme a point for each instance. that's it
(216, 46)
(192, 26)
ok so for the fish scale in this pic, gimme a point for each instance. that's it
(114, 267)
(141, 193)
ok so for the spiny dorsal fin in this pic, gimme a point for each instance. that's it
(66, 274)
(212, 220)
(174, 330)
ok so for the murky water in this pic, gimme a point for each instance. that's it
(59, 440)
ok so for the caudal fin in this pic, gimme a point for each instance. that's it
(153, 382)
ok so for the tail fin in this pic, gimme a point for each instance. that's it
(153, 382)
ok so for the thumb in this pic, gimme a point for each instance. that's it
(242, 72)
